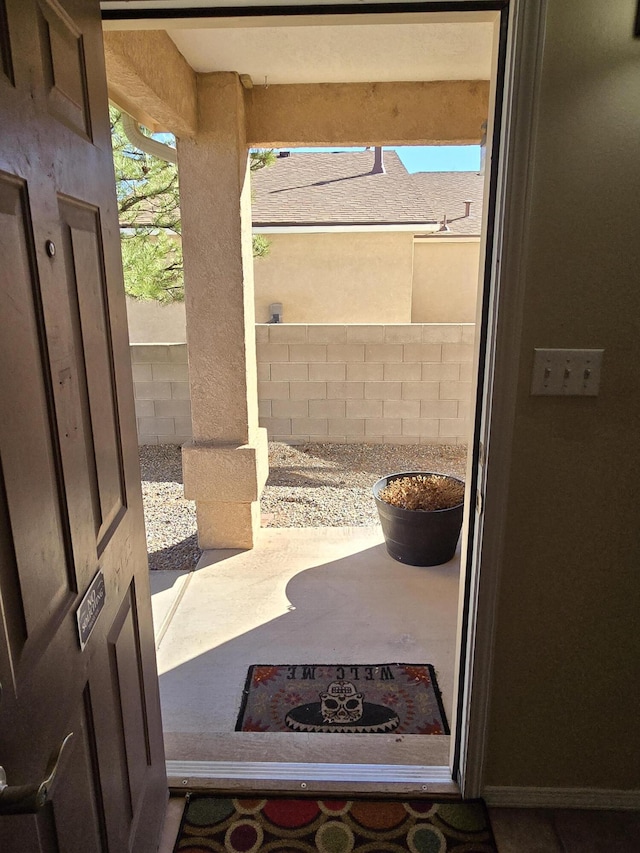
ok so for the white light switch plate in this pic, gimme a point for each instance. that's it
(566, 372)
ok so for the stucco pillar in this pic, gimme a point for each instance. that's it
(225, 466)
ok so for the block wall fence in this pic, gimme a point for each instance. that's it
(376, 384)
(161, 390)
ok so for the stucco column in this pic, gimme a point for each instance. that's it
(225, 466)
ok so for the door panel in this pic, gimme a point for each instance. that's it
(80, 792)
(64, 67)
(6, 65)
(70, 501)
(39, 578)
(86, 283)
(125, 656)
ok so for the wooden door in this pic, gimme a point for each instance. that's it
(70, 501)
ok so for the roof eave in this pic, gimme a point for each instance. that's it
(317, 227)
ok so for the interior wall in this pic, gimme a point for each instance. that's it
(445, 281)
(336, 278)
(565, 694)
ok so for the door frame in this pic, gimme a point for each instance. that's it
(496, 364)
(498, 368)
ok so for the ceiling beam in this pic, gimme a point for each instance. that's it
(442, 112)
(150, 79)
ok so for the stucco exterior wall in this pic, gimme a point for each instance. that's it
(336, 278)
(152, 323)
(344, 278)
(445, 280)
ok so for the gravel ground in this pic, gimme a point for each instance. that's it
(311, 485)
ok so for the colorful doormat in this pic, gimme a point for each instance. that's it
(333, 826)
(375, 699)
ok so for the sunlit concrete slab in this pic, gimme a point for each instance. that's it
(320, 595)
(166, 590)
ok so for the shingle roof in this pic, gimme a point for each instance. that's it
(340, 189)
(447, 193)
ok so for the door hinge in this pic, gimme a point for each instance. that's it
(479, 502)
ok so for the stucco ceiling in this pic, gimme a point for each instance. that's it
(344, 53)
(358, 48)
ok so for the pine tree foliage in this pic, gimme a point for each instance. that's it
(260, 158)
(261, 246)
(149, 213)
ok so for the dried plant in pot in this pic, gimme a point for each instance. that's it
(421, 516)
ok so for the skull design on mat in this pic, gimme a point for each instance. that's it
(341, 703)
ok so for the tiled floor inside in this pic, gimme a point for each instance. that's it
(320, 595)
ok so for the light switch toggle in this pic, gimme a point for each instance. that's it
(566, 372)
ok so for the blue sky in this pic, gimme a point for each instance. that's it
(416, 158)
(440, 158)
(429, 158)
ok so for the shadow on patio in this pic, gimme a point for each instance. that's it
(302, 596)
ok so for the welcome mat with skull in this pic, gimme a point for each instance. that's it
(355, 699)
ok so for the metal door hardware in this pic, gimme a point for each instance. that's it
(28, 799)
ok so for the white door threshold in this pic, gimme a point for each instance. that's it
(317, 778)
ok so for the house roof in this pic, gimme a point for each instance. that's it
(448, 192)
(332, 189)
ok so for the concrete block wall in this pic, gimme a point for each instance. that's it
(161, 390)
(379, 384)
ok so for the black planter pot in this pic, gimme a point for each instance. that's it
(416, 537)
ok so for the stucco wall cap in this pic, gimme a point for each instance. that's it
(225, 472)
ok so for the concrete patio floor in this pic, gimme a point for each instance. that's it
(303, 595)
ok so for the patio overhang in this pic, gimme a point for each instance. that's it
(437, 112)
(150, 79)
(346, 228)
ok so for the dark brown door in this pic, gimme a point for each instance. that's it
(70, 504)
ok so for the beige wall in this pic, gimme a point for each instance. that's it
(344, 278)
(445, 280)
(336, 278)
(565, 694)
(150, 322)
